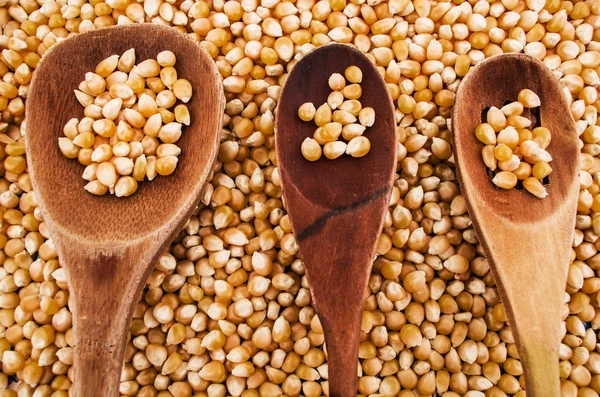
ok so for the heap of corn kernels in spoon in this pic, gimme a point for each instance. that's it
(512, 151)
(132, 122)
(338, 116)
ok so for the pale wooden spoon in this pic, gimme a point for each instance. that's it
(526, 240)
(336, 206)
(109, 245)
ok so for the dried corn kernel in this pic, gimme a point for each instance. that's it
(518, 152)
(338, 117)
(306, 111)
(337, 82)
(528, 98)
(311, 150)
(359, 146)
(505, 180)
(333, 150)
(533, 186)
(125, 122)
(486, 134)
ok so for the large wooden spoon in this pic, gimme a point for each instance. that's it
(336, 206)
(526, 240)
(109, 245)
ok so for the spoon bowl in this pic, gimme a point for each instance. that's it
(109, 245)
(526, 240)
(336, 207)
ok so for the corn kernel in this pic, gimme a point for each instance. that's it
(505, 180)
(533, 186)
(358, 146)
(311, 150)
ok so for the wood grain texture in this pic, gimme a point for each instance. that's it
(107, 244)
(336, 206)
(526, 240)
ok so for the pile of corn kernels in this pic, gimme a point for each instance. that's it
(122, 126)
(222, 316)
(339, 116)
(514, 150)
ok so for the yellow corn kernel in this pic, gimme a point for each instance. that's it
(126, 61)
(512, 109)
(358, 146)
(524, 135)
(502, 152)
(306, 111)
(529, 149)
(139, 168)
(96, 187)
(183, 90)
(107, 66)
(367, 116)
(83, 98)
(505, 180)
(166, 58)
(147, 68)
(489, 158)
(509, 165)
(351, 106)
(541, 170)
(318, 137)
(166, 165)
(125, 186)
(533, 186)
(352, 131)
(335, 99)
(542, 136)
(508, 136)
(528, 98)
(170, 133)
(343, 117)
(523, 171)
(331, 131)
(353, 74)
(486, 134)
(182, 114)
(496, 119)
(84, 140)
(333, 150)
(518, 121)
(311, 150)
(168, 76)
(67, 148)
(352, 91)
(323, 115)
(336, 82)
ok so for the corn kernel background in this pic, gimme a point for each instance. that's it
(227, 311)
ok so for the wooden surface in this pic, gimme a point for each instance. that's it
(526, 240)
(336, 206)
(109, 245)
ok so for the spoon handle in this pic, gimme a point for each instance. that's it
(337, 249)
(104, 285)
(100, 337)
(540, 362)
(536, 327)
(342, 335)
(531, 272)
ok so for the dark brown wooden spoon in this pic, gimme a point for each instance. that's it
(336, 206)
(109, 245)
(526, 240)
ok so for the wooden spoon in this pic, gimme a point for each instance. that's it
(109, 245)
(336, 206)
(526, 240)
